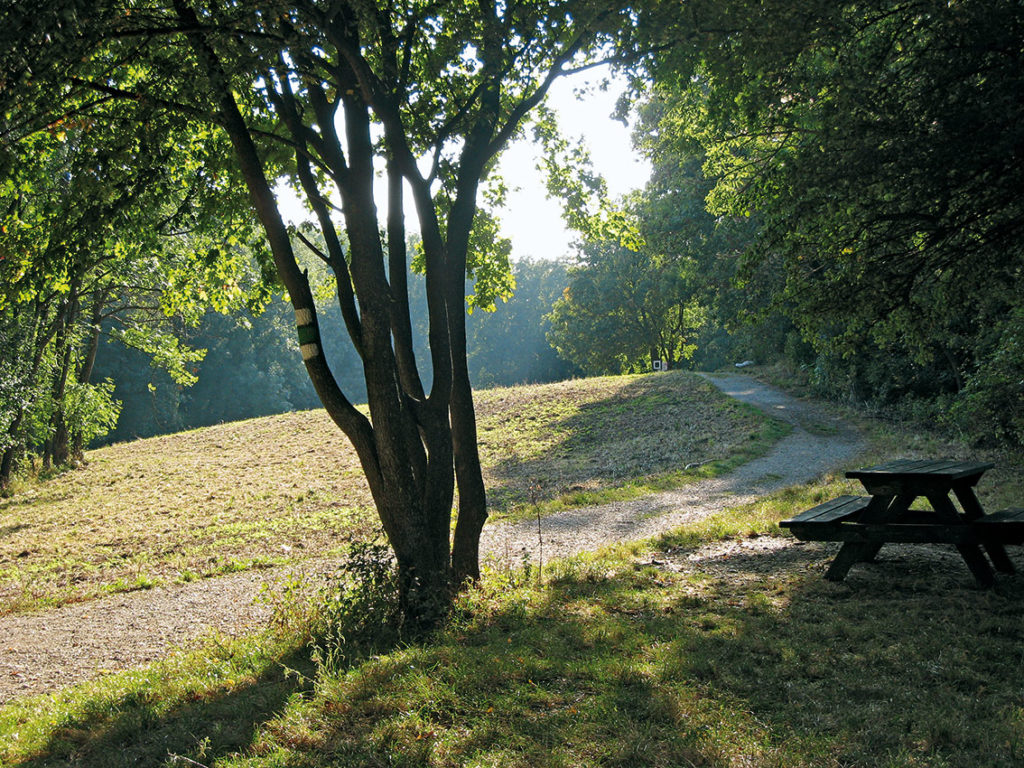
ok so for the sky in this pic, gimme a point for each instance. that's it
(530, 220)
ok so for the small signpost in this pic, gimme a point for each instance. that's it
(660, 365)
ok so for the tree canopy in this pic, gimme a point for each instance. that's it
(864, 157)
(426, 93)
(105, 220)
(877, 147)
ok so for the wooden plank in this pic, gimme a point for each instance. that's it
(1013, 515)
(883, 533)
(969, 469)
(968, 501)
(938, 467)
(830, 511)
(971, 553)
(1003, 527)
(829, 532)
(886, 507)
(896, 466)
(997, 553)
(847, 556)
(904, 469)
(919, 516)
(944, 508)
(913, 484)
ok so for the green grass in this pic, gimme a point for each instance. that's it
(643, 434)
(718, 644)
(664, 654)
(286, 488)
(214, 696)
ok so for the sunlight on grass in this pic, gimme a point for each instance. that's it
(592, 441)
(286, 488)
(717, 644)
(667, 654)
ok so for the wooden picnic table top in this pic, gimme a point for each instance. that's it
(942, 470)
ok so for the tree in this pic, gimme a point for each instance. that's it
(429, 94)
(102, 225)
(665, 293)
(878, 143)
(509, 345)
(621, 310)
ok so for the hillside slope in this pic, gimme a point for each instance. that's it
(286, 488)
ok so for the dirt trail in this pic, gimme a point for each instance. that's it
(44, 651)
(817, 444)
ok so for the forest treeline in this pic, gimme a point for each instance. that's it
(251, 361)
(836, 186)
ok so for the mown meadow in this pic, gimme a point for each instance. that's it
(717, 644)
(282, 489)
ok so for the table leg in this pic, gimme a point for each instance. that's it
(1001, 560)
(973, 511)
(971, 553)
(850, 553)
(977, 563)
(870, 551)
(884, 506)
(880, 507)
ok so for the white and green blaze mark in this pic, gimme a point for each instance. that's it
(308, 335)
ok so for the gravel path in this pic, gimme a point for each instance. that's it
(44, 651)
(817, 444)
(41, 652)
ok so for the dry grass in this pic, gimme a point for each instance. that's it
(285, 488)
(181, 507)
(589, 435)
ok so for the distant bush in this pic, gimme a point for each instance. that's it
(991, 407)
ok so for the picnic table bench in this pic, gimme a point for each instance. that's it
(865, 523)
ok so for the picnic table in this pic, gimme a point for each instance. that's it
(865, 523)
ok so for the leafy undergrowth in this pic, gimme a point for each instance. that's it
(285, 488)
(664, 654)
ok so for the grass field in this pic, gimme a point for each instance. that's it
(718, 644)
(712, 646)
(285, 488)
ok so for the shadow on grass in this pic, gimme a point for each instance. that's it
(8, 530)
(908, 666)
(652, 427)
(906, 662)
(136, 729)
(750, 659)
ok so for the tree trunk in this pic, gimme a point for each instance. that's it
(472, 493)
(958, 379)
(60, 438)
(9, 459)
(405, 447)
(38, 339)
(88, 363)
